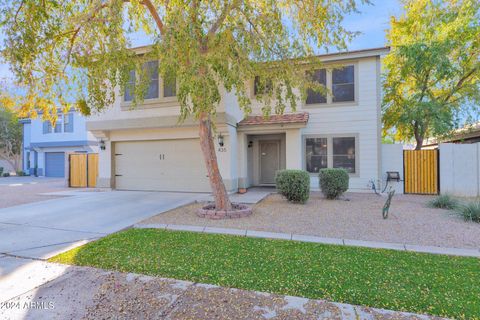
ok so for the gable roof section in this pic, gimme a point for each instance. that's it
(288, 118)
(334, 56)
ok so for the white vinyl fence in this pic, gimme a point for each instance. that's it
(459, 169)
(392, 160)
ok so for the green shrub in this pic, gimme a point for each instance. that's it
(1, 171)
(443, 201)
(294, 185)
(333, 182)
(6, 174)
(469, 211)
(21, 173)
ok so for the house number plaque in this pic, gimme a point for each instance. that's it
(162, 156)
(222, 149)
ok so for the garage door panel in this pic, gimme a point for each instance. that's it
(55, 164)
(163, 165)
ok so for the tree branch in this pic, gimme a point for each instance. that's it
(223, 15)
(155, 16)
(18, 11)
(460, 83)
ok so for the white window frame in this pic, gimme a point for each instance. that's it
(60, 122)
(329, 138)
(329, 87)
(161, 95)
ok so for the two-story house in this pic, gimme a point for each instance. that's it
(146, 149)
(45, 147)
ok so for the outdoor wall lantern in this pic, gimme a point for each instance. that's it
(102, 144)
(220, 140)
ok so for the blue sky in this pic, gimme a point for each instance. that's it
(372, 21)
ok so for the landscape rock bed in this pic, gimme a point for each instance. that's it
(410, 220)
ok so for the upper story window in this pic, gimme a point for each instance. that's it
(169, 88)
(343, 84)
(261, 87)
(339, 82)
(152, 72)
(153, 90)
(64, 124)
(319, 76)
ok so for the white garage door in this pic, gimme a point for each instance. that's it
(161, 165)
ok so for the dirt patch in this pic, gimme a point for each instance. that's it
(410, 220)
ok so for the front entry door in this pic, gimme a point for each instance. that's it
(269, 161)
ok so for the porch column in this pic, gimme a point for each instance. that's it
(242, 160)
(293, 146)
(105, 177)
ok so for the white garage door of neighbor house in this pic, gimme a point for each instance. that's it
(160, 165)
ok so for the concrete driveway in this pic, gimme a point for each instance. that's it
(42, 229)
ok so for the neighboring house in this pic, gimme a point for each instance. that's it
(45, 146)
(145, 148)
(467, 134)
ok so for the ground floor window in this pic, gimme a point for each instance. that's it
(330, 152)
(316, 154)
(344, 153)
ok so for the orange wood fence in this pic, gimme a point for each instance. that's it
(421, 171)
(83, 170)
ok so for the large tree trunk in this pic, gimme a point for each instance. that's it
(222, 202)
(418, 136)
(419, 141)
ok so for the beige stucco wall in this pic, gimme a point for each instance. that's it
(360, 119)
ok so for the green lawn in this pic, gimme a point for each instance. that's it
(414, 282)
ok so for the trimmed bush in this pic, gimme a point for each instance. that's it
(6, 174)
(293, 185)
(443, 201)
(1, 171)
(21, 173)
(333, 182)
(469, 211)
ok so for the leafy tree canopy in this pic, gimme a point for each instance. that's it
(76, 53)
(11, 137)
(432, 73)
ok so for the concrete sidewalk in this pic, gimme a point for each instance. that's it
(315, 239)
(89, 293)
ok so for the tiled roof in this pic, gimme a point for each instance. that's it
(287, 118)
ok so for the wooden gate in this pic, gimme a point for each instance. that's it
(421, 171)
(83, 170)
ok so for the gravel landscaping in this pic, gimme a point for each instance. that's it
(410, 220)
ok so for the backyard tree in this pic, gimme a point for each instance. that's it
(432, 73)
(11, 137)
(76, 54)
